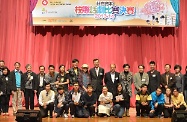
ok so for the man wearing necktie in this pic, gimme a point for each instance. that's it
(97, 75)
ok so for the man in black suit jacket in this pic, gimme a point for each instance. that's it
(154, 77)
(97, 75)
(112, 79)
(15, 77)
(41, 80)
(29, 85)
(167, 79)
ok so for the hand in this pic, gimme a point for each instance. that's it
(59, 105)
(117, 100)
(178, 106)
(76, 103)
(35, 91)
(94, 105)
(156, 105)
(143, 103)
(85, 106)
(152, 111)
(12, 92)
(45, 105)
(166, 86)
(56, 83)
(121, 99)
(67, 72)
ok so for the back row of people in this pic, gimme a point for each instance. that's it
(29, 83)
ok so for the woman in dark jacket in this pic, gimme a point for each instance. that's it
(5, 90)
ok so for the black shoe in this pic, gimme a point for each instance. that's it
(116, 116)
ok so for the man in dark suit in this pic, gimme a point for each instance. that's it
(154, 77)
(15, 77)
(29, 84)
(97, 75)
(41, 80)
(167, 79)
(112, 79)
(73, 73)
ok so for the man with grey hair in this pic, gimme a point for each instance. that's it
(29, 83)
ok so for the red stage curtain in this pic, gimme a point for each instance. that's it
(59, 45)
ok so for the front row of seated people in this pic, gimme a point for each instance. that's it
(84, 105)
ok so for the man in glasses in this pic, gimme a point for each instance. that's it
(46, 101)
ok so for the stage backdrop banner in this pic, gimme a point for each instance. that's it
(161, 13)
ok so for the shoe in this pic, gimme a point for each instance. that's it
(65, 116)
(7, 114)
(127, 113)
(116, 116)
(3, 114)
(72, 116)
(160, 116)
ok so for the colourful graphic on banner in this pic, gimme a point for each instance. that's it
(106, 13)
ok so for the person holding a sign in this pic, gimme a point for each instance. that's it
(61, 103)
(105, 100)
(5, 90)
(143, 102)
(119, 107)
(29, 85)
(76, 102)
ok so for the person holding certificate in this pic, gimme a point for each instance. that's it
(119, 107)
(105, 100)
(76, 103)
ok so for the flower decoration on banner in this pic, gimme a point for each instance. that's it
(152, 7)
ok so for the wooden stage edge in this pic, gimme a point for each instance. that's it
(132, 118)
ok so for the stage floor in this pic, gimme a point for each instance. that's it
(11, 118)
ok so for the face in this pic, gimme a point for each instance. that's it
(2, 64)
(29, 69)
(5, 71)
(60, 91)
(47, 87)
(168, 91)
(84, 69)
(105, 90)
(144, 89)
(126, 69)
(177, 70)
(152, 66)
(96, 63)
(175, 92)
(119, 88)
(141, 69)
(76, 87)
(62, 69)
(90, 89)
(158, 92)
(112, 67)
(17, 66)
(51, 70)
(167, 68)
(42, 70)
(75, 65)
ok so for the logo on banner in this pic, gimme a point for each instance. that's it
(44, 2)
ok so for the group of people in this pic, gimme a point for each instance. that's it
(88, 92)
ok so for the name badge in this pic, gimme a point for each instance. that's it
(171, 78)
(116, 78)
(101, 73)
(6, 78)
(154, 75)
(31, 78)
(143, 79)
